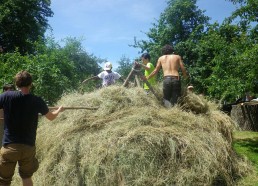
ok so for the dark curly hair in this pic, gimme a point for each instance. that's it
(167, 49)
(23, 79)
(8, 87)
(146, 56)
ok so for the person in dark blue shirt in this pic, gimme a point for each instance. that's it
(21, 110)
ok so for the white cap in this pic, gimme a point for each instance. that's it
(190, 87)
(108, 66)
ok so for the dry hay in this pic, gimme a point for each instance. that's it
(133, 140)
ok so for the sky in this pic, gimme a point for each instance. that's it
(108, 27)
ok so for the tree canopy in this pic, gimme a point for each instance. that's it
(22, 23)
(221, 58)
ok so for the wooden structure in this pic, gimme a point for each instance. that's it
(136, 71)
(246, 115)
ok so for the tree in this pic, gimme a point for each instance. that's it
(247, 12)
(85, 64)
(22, 23)
(55, 70)
(176, 24)
(125, 66)
(220, 58)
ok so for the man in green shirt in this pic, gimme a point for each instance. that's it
(148, 67)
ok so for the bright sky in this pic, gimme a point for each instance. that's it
(109, 26)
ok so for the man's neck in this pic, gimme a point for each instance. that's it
(25, 90)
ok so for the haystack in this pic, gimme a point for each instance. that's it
(133, 140)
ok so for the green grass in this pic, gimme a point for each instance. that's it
(246, 144)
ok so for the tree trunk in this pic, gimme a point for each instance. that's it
(246, 115)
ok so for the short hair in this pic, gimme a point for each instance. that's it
(167, 49)
(23, 79)
(146, 56)
(8, 87)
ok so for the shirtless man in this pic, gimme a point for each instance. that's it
(170, 64)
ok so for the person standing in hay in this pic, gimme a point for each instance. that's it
(170, 64)
(21, 110)
(148, 69)
(108, 76)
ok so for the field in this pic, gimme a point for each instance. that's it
(246, 145)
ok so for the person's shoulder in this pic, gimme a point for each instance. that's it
(175, 55)
(12, 93)
(117, 73)
(178, 56)
(101, 73)
(36, 98)
(161, 57)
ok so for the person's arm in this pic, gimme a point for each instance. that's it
(119, 77)
(182, 67)
(51, 115)
(155, 71)
(146, 67)
(93, 77)
(142, 65)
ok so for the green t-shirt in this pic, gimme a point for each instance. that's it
(152, 80)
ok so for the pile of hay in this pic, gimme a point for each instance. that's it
(133, 140)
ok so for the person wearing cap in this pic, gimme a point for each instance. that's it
(190, 88)
(148, 69)
(108, 76)
(21, 111)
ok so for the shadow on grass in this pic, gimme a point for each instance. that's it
(247, 147)
(250, 143)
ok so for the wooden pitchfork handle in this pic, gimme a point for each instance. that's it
(71, 108)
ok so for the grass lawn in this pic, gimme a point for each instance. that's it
(246, 144)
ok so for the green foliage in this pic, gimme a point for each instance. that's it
(125, 66)
(179, 20)
(22, 23)
(225, 67)
(222, 58)
(55, 69)
(247, 12)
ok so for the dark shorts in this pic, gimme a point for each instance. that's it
(171, 89)
(13, 153)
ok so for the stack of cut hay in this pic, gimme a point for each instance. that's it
(133, 140)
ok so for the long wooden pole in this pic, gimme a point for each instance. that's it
(75, 107)
(137, 72)
(128, 77)
(151, 89)
(71, 108)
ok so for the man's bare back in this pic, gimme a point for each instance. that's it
(170, 65)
